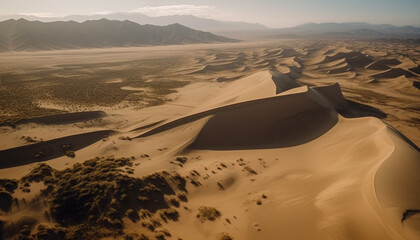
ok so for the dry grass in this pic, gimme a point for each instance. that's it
(83, 86)
(208, 213)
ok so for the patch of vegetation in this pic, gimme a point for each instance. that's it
(66, 148)
(225, 236)
(82, 86)
(7, 188)
(250, 170)
(29, 139)
(181, 159)
(208, 213)
(90, 200)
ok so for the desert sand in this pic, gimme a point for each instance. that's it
(266, 140)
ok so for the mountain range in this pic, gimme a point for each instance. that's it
(348, 30)
(24, 35)
(190, 21)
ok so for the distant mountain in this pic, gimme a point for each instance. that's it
(190, 21)
(23, 35)
(350, 30)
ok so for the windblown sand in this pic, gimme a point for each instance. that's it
(269, 140)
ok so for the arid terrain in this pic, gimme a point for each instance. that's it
(277, 139)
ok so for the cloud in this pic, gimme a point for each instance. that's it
(46, 15)
(201, 10)
(104, 13)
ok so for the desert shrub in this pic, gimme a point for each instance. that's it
(181, 159)
(132, 236)
(225, 236)
(208, 213)
(169, 213)
(6, 200)
(182, 197)
(250, 170)
(8, 185)
(143, 237)
(20, 228)
(49, 233)
(174, 202)
(97, 195)
(132, 215)
(161, 234)
(70, 154)
(39, 173)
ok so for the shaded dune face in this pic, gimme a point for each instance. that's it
(49, 149)
(266, 123)
(383, 64)
(354, 59)
(393, 73)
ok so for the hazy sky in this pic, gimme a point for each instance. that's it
(272, 13)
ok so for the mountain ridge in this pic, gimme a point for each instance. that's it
(24, 35)
(191, 21)
(350, 30)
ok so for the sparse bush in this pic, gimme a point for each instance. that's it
(39, 155)
(181, 159)
(250, 170)
(143, 237)
(70, 154)
(8, 185)
(169, 213)
(49, 233)
(208, 213)
(132, 215)
(173, 201)
(39, 173)
(182, 197)
(6, 200)
(225, 236)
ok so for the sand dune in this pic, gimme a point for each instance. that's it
(349, 196)
(254, 124)
(415, 69)
(333, 94)
(383, 64)
(416, 84)
(340, 69)
(393, 73)
(264, 143)
(220, 67)
(354, 59)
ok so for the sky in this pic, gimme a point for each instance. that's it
(272, 13)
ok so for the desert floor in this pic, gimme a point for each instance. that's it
(281, 139)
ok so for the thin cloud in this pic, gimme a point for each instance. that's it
(104, 13)
(197, 10)
(45, 15)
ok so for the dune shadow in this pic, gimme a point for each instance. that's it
(64, 118)
(149, 125)
(259, 124)
(47, 150)
(354, 110)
